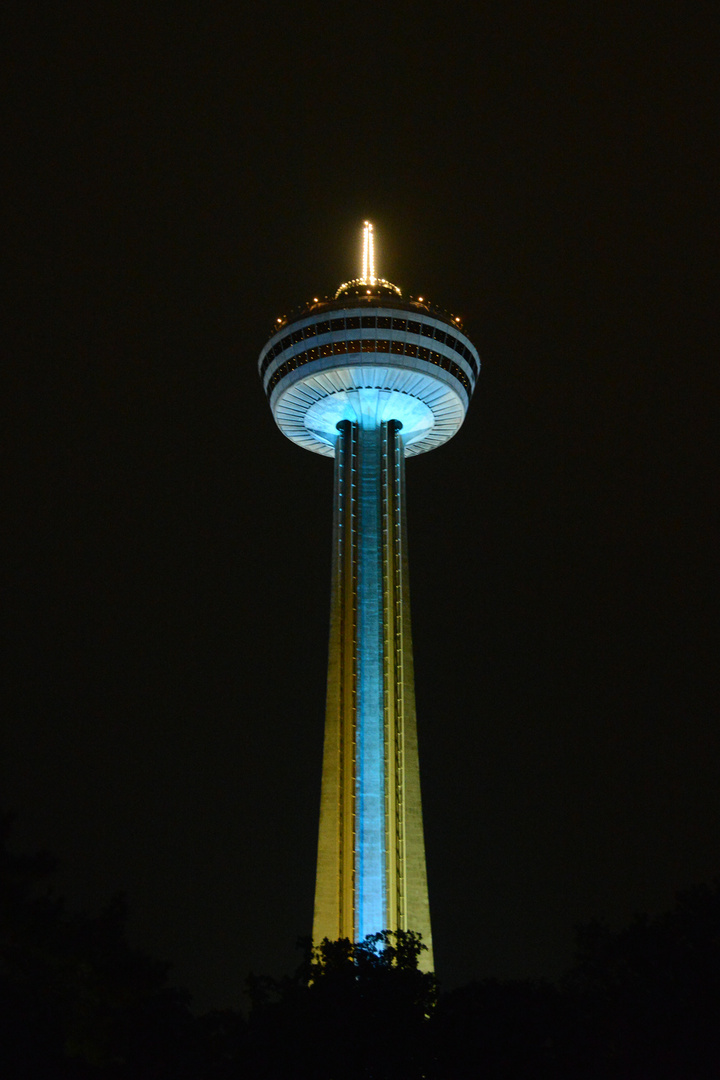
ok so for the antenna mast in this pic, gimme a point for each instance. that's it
(368, 255)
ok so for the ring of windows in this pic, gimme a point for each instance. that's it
(366, 345)
(370, 322)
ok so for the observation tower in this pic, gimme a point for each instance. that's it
(370, 378)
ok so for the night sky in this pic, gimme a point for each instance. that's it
(175, 177)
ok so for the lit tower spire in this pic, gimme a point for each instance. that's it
(368, 259)
(369, 379)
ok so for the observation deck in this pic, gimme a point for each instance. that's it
(369, 356)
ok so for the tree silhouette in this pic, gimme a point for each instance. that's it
(645, 1001)
(352, 1009)
(75, 999)
(498, 1031)
(77, 1002)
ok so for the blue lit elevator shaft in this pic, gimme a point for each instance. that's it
(370, 779)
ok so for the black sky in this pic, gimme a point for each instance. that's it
(176, 175)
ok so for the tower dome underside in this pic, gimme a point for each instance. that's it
(369, 366)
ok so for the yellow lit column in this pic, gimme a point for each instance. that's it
(407, 901)
(334, 889)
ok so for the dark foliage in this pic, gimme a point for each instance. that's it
(645, 1002)
(77, 1002)
(352, 1010)
(498, 1030)
(75, 999)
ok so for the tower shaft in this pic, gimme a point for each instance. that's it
(371, 857)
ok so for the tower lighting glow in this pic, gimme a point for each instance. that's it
(370, 379)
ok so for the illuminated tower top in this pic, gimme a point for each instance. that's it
(368, 284)
(368, 274)
(368, 355)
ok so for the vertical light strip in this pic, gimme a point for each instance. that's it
(368, 255)
(392, 698)
(364, 275)
(347, 449)
(396, 463)
(371, 253)
(370, 894)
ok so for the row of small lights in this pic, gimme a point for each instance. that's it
(281, 319)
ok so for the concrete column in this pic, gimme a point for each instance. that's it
(371, 872)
